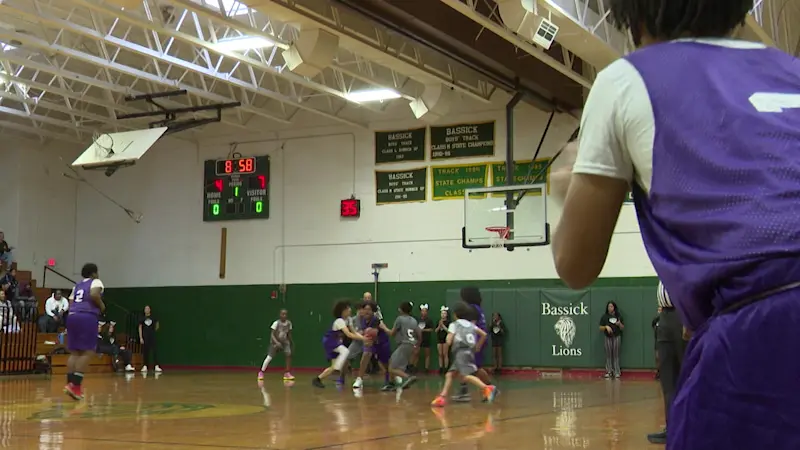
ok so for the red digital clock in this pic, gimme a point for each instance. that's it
(236, 166)
(350, 207)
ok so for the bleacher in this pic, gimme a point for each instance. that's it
(19, 351)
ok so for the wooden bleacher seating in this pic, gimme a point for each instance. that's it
(24, 353)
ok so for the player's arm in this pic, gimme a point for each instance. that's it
(96, 294)
(273, 335)
(600, 178)
(390, 332)
(352, 335)
(481, 338)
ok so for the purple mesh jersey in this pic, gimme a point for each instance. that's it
(331, 340)
(82, 302)
(721, 222)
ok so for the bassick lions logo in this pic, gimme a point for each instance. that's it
(565, 327)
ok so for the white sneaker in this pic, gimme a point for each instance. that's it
(144, 369)
(129, 368)
(358, 383)
(158, 369)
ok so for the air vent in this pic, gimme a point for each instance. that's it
(545, 34)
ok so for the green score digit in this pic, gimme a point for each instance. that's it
(215, 209)
(259, 207)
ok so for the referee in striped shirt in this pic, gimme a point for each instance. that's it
(670, 346)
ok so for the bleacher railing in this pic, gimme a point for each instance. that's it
(18, 335)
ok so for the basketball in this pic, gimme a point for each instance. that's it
(371, 333)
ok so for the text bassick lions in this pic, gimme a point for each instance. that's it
(565, 326)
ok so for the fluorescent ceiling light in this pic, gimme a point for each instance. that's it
(232, 7)
(372, 95)
(7, 47)
(243, 43)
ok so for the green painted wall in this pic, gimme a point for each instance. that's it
(229, 325)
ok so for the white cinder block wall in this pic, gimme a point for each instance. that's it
(304, 241)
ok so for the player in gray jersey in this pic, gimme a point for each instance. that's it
(408, 337)
(464, 339)
(280, 340)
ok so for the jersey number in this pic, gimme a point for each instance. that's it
(770, 102)
(411, 335)
(79, 295)
(470, 339)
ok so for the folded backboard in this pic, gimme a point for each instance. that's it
(113, 149)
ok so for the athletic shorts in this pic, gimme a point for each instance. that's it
(463, 362)
(284, 347)
(401, 356)
(356, 348)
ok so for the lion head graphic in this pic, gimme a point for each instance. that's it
(565, 329)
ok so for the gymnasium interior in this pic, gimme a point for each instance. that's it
(222, 160)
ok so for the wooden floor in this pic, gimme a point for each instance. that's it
(185, 410)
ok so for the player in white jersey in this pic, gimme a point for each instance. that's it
(280, 340)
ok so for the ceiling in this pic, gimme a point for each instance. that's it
(66, 66)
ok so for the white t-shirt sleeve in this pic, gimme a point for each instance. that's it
(339, 324)
(274, 325)
(451, 328)
(97, 284)
(617, 120)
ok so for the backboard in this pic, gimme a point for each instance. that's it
(490, 221)
(117, 149)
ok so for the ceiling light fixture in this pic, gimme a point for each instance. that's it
(243, 43)
(372, 95)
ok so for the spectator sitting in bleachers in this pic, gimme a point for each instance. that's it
(8, 284)
(25, 303)
(6, 257)
(107, 345)
(55, 308)
(8, 321)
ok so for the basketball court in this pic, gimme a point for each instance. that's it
(228, 410)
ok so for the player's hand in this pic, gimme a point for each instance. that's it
(141, 341)
(687, 335)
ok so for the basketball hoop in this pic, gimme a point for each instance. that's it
(498, 241)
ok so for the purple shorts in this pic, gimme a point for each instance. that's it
(383, 350)
(82, 332)
(738, 384)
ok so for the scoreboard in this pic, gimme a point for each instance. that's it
(236, 189)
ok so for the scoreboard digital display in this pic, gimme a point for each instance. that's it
(236, 189)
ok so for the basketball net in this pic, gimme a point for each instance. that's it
(498, 240)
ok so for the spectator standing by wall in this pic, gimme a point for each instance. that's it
(147, 336)
(498, 334)
(426, 327)
(441, 340)
(611, 325)
(6, 257)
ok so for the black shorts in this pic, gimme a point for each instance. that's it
(426, 343)
(441, 339)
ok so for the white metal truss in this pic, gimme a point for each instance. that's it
(67, 65)
(493, 23)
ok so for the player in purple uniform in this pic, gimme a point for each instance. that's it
(472, 296)
(381, 347)
(333, 339)
(86, 306)
(705, 130)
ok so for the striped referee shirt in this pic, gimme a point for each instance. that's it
(663, 297)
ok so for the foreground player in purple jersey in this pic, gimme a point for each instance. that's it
(86, 306)
(705, 130)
